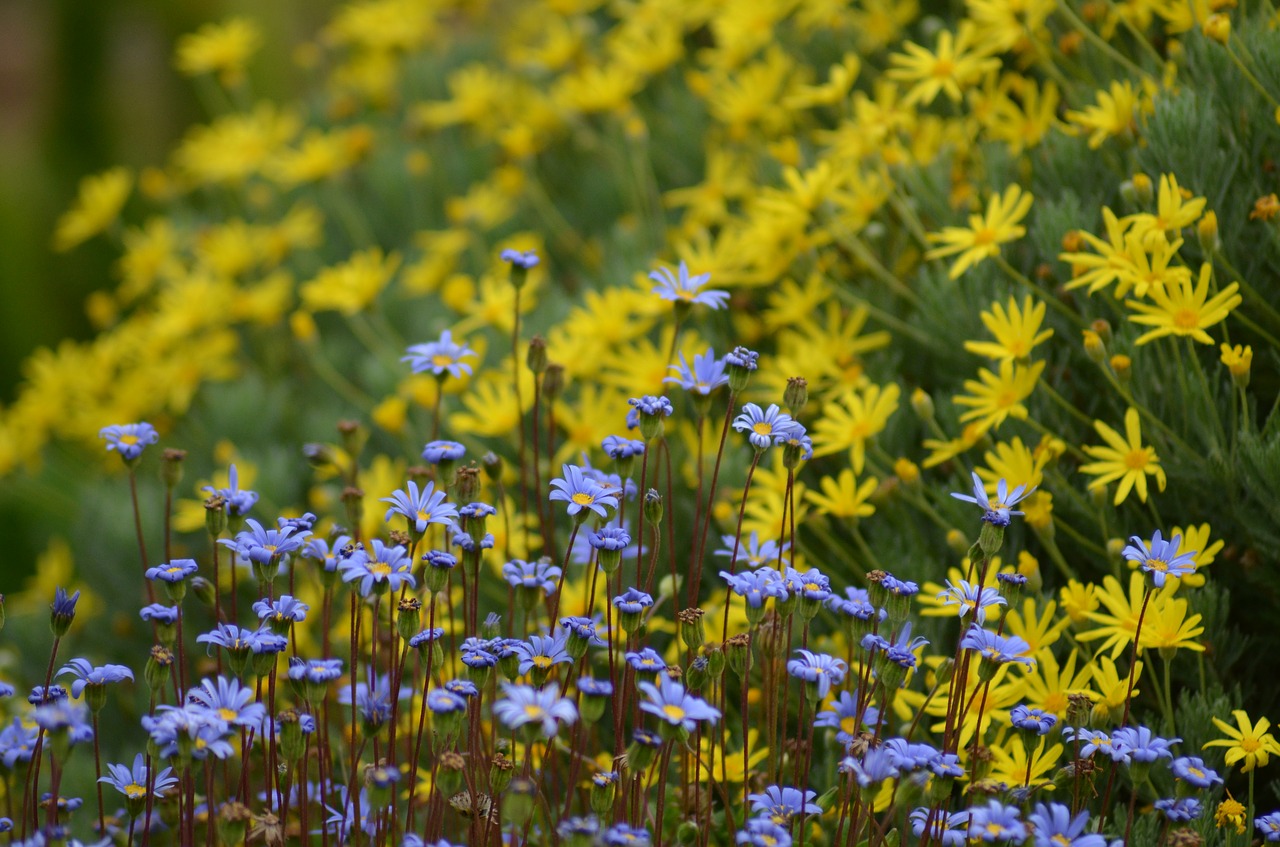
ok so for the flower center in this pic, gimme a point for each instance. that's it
(1186, 319)
(534, 712)
(128, 440)
(674, 713)
(1156, 565)
(380, 569)
(763, 428)
(584, 499)
(542, 662)
(441, 360)
(134, 791)
(1136, 459)
(227, 715)
(984, 237)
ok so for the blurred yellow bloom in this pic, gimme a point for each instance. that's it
(1184, 310)
(237, 146)
(844, 497)
(856, 416)
(1112, 688)
(982, 238)
(99, 201)
(1195, 539)
(945, 451)
(383, 25)
(1015, 463)
(1247, 742)
(222, 48)
(1174, 211)
(1040, 630)
(994, 397)
(1167, 628)
(1239, 361)
(351, 286)
(1017, 331)
(1011, 766)
(1120, 621)
(1124, 459)
(957, 63)
(1115, 115)
(1078, 600)
(1048, 685)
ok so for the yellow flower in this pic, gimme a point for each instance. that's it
(1124, 459)
(996, 397)
(1015, 463)
(1047, 685)
(843, 497)
(1148, 268)
(1231, 812)
(854, 417)
(955, 65)
(1246, 742)
(1112, 688)
(1167, 628)
(1121, 622)
(1078, 600)
(1238, 359)
(1172, 214)
(351, 286)
(1017, 331)
(1115, 115)
(1265, 208)
(235, 147)
(945, 451)
(985, 233)
(1098, 270)
(1183, 310)
(100, 199)
(1195, 540)
(219, 48)
(1012, 767)
(1040, 631)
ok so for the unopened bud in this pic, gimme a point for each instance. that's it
(171, 466)
(553, 381)
(796, 394)
(536, 358)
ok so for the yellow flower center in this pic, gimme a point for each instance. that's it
(943, 68)
(440, 360)
(542, 662)
(984, 237)
(584, 499)
(128, 439)
(673, 712)
(227, 715)
(1157, 565)
(380, 569)
(534, 712)
(1137, 459)
(1186, 319)
(1249, 745)
(134, 791)
(763, 428)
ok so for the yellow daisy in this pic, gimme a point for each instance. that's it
(1246, 742)
(843, 497)
(1124, 459)
(985, 233)
(1185, 310)
(849, 421)
(994, 397)
(953, 66)
(1017, 331)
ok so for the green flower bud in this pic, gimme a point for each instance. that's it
(796, 394)
(159, 666)
(604, 786)
(653, 507)
(408, 617)
(691, 630)
(518, 803)
(553, 381)
(449, 776)
(500, 772)
(536, 358)
(233, 821)
(171, 466)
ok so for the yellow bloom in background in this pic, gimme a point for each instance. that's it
(1017, 331)
(1048, 685)
(945, 451)
(956, 64)
(1112, 687)
(1040, 630)
(1247, 742)
(994, 397)
(1115, 115)
(1149, 268)
(1123, 459)
(1167, 628)
(235, 147)
(1100, 269)
(319, 155)
(1120, 621)
(1239, 361)
(844, 497)
(222, 48)
(1011, 765)
(982, 238)
(1195, 539)
(383, 25)
(1172, 213)
(1184, 310)
(1015, 463)
(849, 421)
(351, 286)
(99, 201)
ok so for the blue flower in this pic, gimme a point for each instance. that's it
(996, 648)
(525, 260)
(285, 608)
(1143, 745)
(425, 637)
(132, 781)
(129, 440)
(581, 492)
(763, 832)
(176, 571)
(619, 447)
(318, 671)
(582, 628)
(756, 586)
(842, 716)
(1161, 560)
(674, 706)
(545, 708)
(764, 427)
(442, 701)
(1055, 827)
(1032, 720)
(228, 700)
(159, 613)
(543, 652)
(420, 508)
(686, 288)
(818, 669)
(948, 829)
(86, 674)
(201, 733)
(651, 405)
(387, 569)
(1193, 771)
(623, 835)
(910, 757)
(754, 551)
(17, 743)
(462, 687)
(996, 822)
(39, 694)
(591, 687)
(646, 661)
(741, 357)
(442, 451)
(876, 765)
(1000, 510)
(535, 575)
(264, 546)
(901, 651)
(706, 375)
(1179, 810)
(238, 502)
(781, 803)
(439, 357)
(1269, 826)
(967, 596)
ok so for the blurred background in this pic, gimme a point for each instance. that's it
(85, 86)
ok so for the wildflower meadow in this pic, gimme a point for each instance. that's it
(652, 423)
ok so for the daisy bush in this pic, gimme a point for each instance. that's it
(669, 423)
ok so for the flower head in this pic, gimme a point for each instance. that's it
(581, 492)
(779, 803)
(421, 508)
(439, 357)
(129, 440)
(1001, 224)
(764, 427)
(87, 675)
(687, 289)
(544, 708)
(674, 706)
(1124, 459)
(706, 375)
(1161, 559)
(1247, 742)
(819, 669)
(999, 510)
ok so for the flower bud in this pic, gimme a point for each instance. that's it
(171, 466)
(159, 666)
(687, 833)
(653, 507)
(536, 358)
(796, 394)
(492, 464)
(500, 772)
(604, 787)
(233, 820)
(215, 515)
(691, 631)
(518, 802)
(409, 617)
(1143, 190)
(1218, 28)
(292, 739)
(922, 404)
(1122, 365)
(738, 648)
(553, 381)
(317, 455)
(1094, 347)
(1207, 233)
(449, 773)
(353, 437)
(203, 590)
